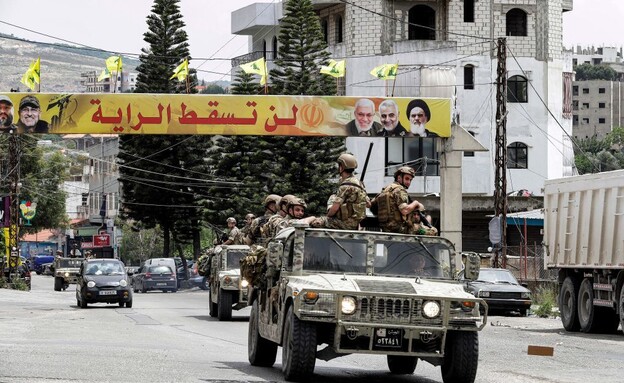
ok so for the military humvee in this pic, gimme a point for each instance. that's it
(358, 292)
(66, 271)
(228, 290)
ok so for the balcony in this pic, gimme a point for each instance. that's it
(255, 17)
(253, 56)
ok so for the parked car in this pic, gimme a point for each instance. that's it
(155, 277)
(501, 291)
(103, 280)
(39, 262)
(196, 280)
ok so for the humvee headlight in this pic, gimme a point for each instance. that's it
(349, 304)
(244, 283)
(431, 309)
(123, 283)
(90, 284)
(66, 274)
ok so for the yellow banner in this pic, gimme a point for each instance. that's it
(93, 113)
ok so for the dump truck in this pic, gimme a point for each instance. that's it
(324, 293)
(584, 241)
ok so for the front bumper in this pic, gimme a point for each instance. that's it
(508, 304)
(108, 295)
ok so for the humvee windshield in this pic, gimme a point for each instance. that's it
(233, 259)
(392, 258)
(70, 262)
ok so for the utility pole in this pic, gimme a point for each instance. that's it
(14, 180)
(500, 191)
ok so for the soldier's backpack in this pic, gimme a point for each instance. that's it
(381, 205)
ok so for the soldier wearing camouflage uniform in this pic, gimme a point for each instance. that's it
(348, 206)
(393, 205)
(276, 222)
(256, 235)
(233, 234)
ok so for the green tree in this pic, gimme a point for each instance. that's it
(595, 72)
(305, 165)
(213, 89)
(158, 173)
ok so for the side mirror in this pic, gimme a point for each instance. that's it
(473, 264)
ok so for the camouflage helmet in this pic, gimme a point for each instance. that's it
(347, 161)
(231, 219)
(271, 198)
(296, 201)
(285, 199)
(404, 170)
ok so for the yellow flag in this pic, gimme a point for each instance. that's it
(385, 71)
(104, 75)
(255, 67)
(114, 64)
(334, 68)
(35, 67)
(28, 79)
(181, 71)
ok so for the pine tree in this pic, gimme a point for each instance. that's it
(159, 174)
(305, 165)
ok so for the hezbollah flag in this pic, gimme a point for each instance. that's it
(32, 75)
(181, 71)
(104, 75)
(114, 64)
(334, 68)
(385, 71)
(256, 67)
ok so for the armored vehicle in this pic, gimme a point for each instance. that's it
(66, 271)
(363, 292)
(228, 290)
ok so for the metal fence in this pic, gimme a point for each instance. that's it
(526, 263)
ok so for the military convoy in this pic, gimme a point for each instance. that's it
(361, 292)
(228, 290)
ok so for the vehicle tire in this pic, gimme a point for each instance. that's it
(402, 365)
(58, 283)
(83, 303)
(298, 349)
(461, 357)
(143, 289)
(174, 290)
(121, 303)
(224, 311)
(129, 304)
(568, 298)
(261, 352)
(589, 317)
(204, 284)
(621, 308)
(212, 307)
(38, 272)
(523, 312)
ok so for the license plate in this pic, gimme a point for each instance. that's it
(388, 337)
(108, 292)
(161, 284)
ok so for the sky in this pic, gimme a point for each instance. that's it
(118, 26)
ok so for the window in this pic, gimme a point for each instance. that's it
(274, 47)
(575, 119)
(601, 120)
(586, 120)
(575, 90)
(421, 23)
(516, 22)
(469, 11)
(339, 33)
(517, 156)
(601, 105)
(325, 29)
(586, 105)
(517, 89)
(575, 104)
(469, 77)
(419, 152)
(601, 90)
(585, 90)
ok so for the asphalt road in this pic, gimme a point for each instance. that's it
(169, 337)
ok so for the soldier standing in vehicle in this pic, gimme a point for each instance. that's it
(296, 210)
(276, 222)
(232, 232)
(255, 235)
(394, 209)
(245, 229)
(349, 202)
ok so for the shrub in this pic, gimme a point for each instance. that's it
(546, 299)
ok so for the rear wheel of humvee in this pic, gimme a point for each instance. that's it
(298, 349)
(461, 357)
(261, 352)
(225, 306)
(58, 283)
(403, 365)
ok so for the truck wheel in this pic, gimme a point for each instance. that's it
(402, 365)
(261, 352)
(621, 308)
(568, 298)
(298, 348)
(212, 307)
(461, 357)
(587, 313)
(58, 283)
(224, 311)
